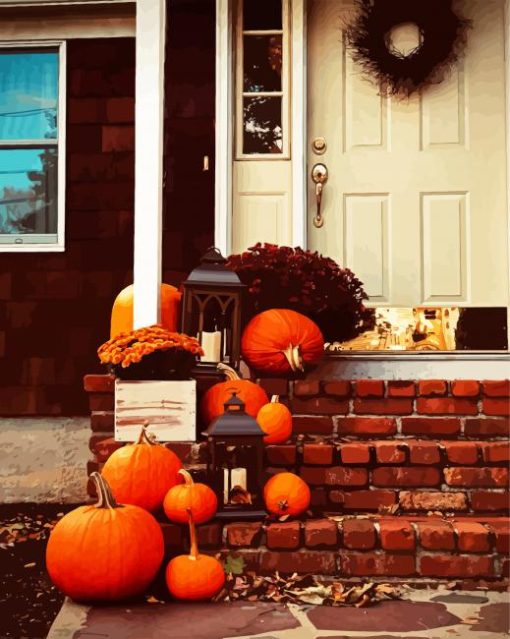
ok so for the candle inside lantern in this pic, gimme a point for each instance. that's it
(211, 343)
(237, 478)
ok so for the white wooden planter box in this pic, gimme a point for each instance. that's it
(169, 408)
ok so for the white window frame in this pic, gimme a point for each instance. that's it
(59, 245)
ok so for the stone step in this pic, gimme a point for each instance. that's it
(355, 546)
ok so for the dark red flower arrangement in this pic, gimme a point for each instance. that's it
(307, 282)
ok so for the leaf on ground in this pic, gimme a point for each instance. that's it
(234, 565)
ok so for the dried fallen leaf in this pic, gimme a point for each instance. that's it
(30, 565)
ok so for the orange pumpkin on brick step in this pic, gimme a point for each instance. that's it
(142, 473)
(281, 341)
(190, 496)
(275, 419)
(286, 494)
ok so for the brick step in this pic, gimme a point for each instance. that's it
(411, 547)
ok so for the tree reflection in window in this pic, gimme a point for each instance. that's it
(262, 118)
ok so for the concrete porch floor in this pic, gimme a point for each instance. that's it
(423, 614)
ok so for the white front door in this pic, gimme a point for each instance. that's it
(416, 200)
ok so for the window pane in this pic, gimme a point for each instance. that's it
(262, 123)
(28, 191)
(28, 95)
(263, 63)
(262, 14)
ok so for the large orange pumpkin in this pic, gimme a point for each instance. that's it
(190, 496)
(142, 473)
(84, 556)
(194, 577)
(286, 494)
(280, 341)
(122, 311)
(275, 419)
(212, 405)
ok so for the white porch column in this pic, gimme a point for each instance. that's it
(150, 60)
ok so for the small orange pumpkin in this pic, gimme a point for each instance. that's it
(280, 341)
(275, 419)
(212, 405)
(85, 559)
(190, 496)
(194, 577)
(286, 494)
(142, 473)
(122, 311)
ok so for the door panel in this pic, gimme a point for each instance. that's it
(415, 203)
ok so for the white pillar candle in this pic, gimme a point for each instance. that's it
(211, 343)
(238, 478)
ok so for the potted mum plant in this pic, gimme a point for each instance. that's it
(306, 282)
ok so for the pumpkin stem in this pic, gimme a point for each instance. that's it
(144, 437)
(228, 371)
(283, 505)
(275, 399)
(188, 479)
(193, 551)
(294, 358)
(105, 498)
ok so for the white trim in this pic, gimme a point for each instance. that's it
(62, 27)
(299, 134)
(149, 103)
(59, 245)
(224, 122)
(507, 94)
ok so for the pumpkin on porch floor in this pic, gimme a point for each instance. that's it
(286, 494)
(213, 402)
(85, 559)
(275, 419)
(194, 577)
(122, 311)
(142, 473)
(190, 496)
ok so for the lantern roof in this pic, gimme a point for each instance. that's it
(235, 421)
(212, 271)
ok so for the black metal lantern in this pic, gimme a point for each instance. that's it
(211, 310)
(236, 462)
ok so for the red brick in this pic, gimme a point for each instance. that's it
(410, 476)
(465, 388)
(320, 533)
(355, 453)
(102, 421)
(484, 500)
(362, 500)
(243, 535)
(496, 406)
(312, 425)
(358, 534)
(369, 388)
(209, 535)
(452, 566)
(319, 454)
(315, 562)
(496, 452)
(366, 426)
(84, 138)
(99, 383)
(340, 476)
(364, 564)
(320, 406)
(383, 406)
(313, 475)
(117, 138)
(101, 401)
(401, 389)
(501, 530)
(436, 535)
(489, 477)
(338, 388)
(85, 110)
(487, 427)
(306, 388)
(464, 453)
(446, 406)
(432, 387)
(319, 498)
(396, 535)
(430, 426)
(274, 386)
(423, 453)
(120, 110)
(103, 447)
(471, 536)
(432, 500)
(390, 453)
(36, 371)
(281, 455)
(505, 568)
(497, 388)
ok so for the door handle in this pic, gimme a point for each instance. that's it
(319, 177)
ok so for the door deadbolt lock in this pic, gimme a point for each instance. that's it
(319, 145)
